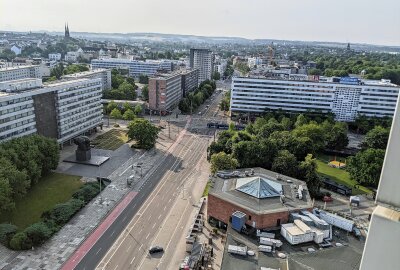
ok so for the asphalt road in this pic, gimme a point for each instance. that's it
(125, 243)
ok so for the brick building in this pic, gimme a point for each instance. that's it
(165, 92)
(266, 198)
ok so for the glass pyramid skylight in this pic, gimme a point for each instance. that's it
(259, 187)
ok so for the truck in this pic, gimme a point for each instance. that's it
(335, 220)
(270, 242)
(264, 248)
(237, 250)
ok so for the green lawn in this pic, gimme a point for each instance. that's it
(206, 189)
(52, 189)
(111, 140)
(339, 175)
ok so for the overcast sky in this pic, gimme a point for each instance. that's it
(364, 21)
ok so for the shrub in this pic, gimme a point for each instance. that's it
(62, 213)
(38, 233)
(87, 192)
(7, 232)
(20, 241)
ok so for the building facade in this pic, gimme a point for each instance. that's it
(55, 56)
(103, 74)
(202, 59)
(135, 68)
(190, 80)
(19, 72)
(61, 110)
(346, 101)
(165, 92)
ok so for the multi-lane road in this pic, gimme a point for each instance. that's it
(125, 244)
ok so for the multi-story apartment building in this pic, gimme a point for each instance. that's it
(165, 91)
(103, 74)
(202, 59)
(345, 98)
(190, 80)
(61, 110)
(135, 67)
(19, 72)
(55, 56)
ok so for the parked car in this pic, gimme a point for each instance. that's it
(156, 249)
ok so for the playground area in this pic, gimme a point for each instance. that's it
(111, 140)
(337, 164)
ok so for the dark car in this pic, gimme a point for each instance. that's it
(155, 249)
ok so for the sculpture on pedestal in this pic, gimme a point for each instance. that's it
(83, 153)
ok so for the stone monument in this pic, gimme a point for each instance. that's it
(84, 152)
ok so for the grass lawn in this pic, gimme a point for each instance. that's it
(338, 175)
(52, 189)
(206, 189)
(111, 140)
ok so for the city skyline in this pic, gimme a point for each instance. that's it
(309, 20)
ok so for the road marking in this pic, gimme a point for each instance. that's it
(124, 218)
(133, 259)
(113, 233)
(169, 200)
(159, 216)
(116, 267)
(147, 236)
(140, 230)
(165, 207)
(154, 225)
(98, 251)
(128, 248)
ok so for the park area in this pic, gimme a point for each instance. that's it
(52, 189)
(111, 140)
(340, 176)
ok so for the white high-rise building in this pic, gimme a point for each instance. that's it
(55, 56)
(60, 110)
(381, 249)
(19, 72)
(136, 68)
(346, 99)
(202, 59)
(103, 74)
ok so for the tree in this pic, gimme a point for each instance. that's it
(366, 166)
(7, 231)
(216, 76)
(308, 173)
(6, 201)
(145, 93)
(301, 120)
(116, 79)
(138, 109)
(38, 233)
(336, 136)
(129, 115)
(126, 106)
(143, 132)
(312, 131)
(18, 180)
(7, 54)
(116, 114)
(75, 68)
(222, 161)
(111, 106)
(20, 241)
(57, 71)
(143, 79)
(285, 163)
(376, 138)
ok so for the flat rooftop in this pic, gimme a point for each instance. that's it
(17, 67)
(229, 190)
(84, 73)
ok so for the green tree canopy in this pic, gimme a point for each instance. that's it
(116, 114)
(366, 166)
(376, 138)
(129, 115)
(143, 132)
(145, 93)
(222, 161)
(285, 163)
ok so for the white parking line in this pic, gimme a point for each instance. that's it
(133, 259)
(147, 236)
(98, 251)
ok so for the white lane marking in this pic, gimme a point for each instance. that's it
(128, 248)
(154, 225)
(159, 216)
(147, 236)
(116, 267)
(124, 218)
(133, 259)
(112, 233)
(98, 251)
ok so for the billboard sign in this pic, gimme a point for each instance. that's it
(349, 80)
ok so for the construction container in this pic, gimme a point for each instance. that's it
(318, 222)
(270, 242)
(265, 234)
(294, 235)
(265, 248)
(302, 226)
(238, 220)
(336, 220)
(237, 250)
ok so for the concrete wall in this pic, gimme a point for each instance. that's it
(222, 210)
(45, 114)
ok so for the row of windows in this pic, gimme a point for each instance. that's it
(27, 130)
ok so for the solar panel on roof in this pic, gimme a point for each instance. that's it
(259, 187)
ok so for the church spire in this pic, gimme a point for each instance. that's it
(66, 31)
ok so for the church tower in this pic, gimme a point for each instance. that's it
(66, 31)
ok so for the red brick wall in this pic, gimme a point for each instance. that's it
(222, 210)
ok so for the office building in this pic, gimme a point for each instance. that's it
(135, 68)
(103, 74)
(345, 97)
(202, 59)
(190, 80)
(19, 72)
(165, 91)
(254, 61)
(60, 110)
(381, 249)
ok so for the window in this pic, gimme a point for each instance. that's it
(249, 217)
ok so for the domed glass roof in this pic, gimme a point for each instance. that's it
(259, 187)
